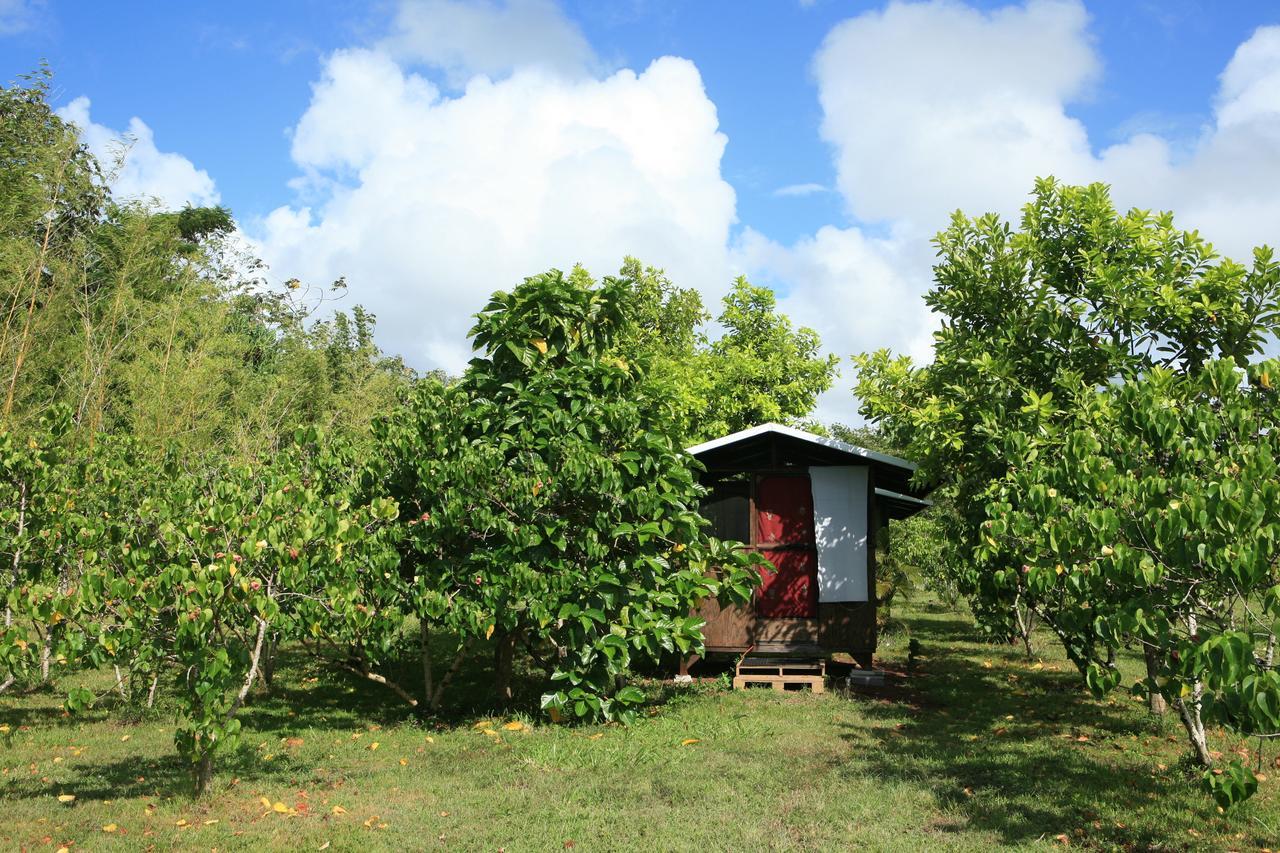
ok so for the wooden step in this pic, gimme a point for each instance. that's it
(761, 665)
(781, 673)
(780, 683)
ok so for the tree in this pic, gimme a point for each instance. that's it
(760, 369)
(208, 564)
(1082, 299)
(1150, 513)
(547, 501)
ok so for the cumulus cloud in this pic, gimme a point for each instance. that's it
(432, 202)
(478, 143)
(491, 38)
(935, 106)
(145, 172)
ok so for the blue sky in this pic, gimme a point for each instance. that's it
(223, 83)
(889, 115)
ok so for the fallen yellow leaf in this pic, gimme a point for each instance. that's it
(211, 821)
(182, 821)
(404, 762)
(371, 821)
(124, 738)
(266, 804)
(111, 827)
(986, 664)
(514, 726)
(373, 746)
(430, 739)
(483, 724)
(339, 810)
(595, 736)
(67, 798)
(63, 850)
(280, 808)
(690, 741)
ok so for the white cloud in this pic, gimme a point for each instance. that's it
(936, 106)
(794, 190)
(18, 16)
(145, 172)
(433, 202)
(491, 38)
(427, 200)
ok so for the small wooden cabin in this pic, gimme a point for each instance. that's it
(812, 506)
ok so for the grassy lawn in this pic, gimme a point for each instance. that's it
(978, 749)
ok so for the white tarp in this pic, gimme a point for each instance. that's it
(840, 524)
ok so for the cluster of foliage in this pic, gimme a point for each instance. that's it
(759, 368)
(157, 324)
(549, 504)
(1098, 409)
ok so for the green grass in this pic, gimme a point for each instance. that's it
(978, 749)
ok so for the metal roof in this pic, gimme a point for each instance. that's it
(792, 432)
(771, 445)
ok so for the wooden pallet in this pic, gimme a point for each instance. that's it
(781, 673)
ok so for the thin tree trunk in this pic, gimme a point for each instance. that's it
(269, 661)
(438, 696)
(1189, 711)
(1025, 619)
(25, 339)
(503, 657)
(120, 688)
(204, 773)
(1155, 700)
(424, 633)
(151, 692)
(253, 670)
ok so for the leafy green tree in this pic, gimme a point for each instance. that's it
(764, 369)
(759, 369)
(212, 562)
(547, 502)
(1149, 512)
(1081, 300)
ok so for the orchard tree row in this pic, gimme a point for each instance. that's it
(195, 469)
(1101, 417)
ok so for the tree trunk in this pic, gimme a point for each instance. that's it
(461, 656)
(503, 657)
(424, 634)
(269, 661)
(44, 661)
(1155, 701)
(1026, 624)
(151, 692)
(1189, 712)
(204, 773)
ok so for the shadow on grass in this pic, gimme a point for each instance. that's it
(1027, 757)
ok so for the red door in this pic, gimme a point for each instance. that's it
(784, 536)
